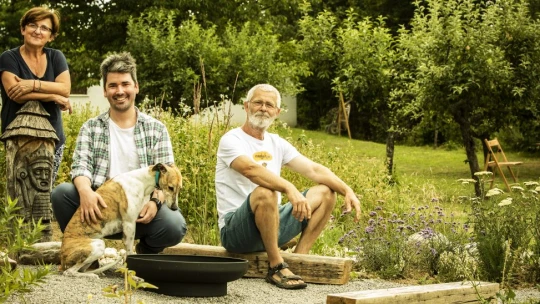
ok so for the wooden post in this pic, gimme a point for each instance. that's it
(343, 110)
(30, 141)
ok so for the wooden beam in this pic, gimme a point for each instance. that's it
(446, 293)
(312, 268)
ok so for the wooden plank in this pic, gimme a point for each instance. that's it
(312, 268)
(446, 293)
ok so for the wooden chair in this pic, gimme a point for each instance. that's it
(496, 159)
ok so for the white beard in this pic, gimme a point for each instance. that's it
(260, 122)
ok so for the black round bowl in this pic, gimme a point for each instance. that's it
(187, 275)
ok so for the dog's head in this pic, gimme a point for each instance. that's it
(169, 180)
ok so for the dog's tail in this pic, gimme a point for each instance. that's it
(106, 266)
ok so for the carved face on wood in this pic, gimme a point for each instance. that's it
(40, 175)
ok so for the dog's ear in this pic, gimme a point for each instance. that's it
(159, 167)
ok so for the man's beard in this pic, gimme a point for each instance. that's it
(260, 121)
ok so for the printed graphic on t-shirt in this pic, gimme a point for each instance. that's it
(262, 156)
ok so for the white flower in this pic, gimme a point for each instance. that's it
(518, 188)
(481, 173)
(505, 202)
(531, 183)
(494, 191)
(466, 181)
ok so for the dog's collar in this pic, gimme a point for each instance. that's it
(157, 180)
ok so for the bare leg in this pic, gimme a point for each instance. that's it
(263, 203)
(322, 201)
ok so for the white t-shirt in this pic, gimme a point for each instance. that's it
(123, 152)
(232, 188)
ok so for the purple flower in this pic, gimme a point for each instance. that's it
(434, 200)
(370, 229)
(372, 213)
(378, 208)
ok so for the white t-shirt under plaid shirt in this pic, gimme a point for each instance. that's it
(91, 155)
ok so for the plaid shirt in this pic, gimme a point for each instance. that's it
(91, 155)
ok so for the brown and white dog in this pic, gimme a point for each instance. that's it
(125, 196)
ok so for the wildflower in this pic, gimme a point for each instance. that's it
(466, 181)
(427, 233)
(493, 192)
(506, 202)
(371, 222)
(378, 208)
(434, 200)
(372, 213)
(433, 252)
(483, 173)
(531, 183)
(370, 229)
(517, 188)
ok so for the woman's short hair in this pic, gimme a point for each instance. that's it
(41, 13)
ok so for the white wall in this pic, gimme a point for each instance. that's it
(238, 115)
(94, 96)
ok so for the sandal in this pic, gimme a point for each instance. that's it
(283, 279)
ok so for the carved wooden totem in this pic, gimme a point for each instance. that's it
(30, 140)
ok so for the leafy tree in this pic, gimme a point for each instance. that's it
(464, 71)
(173, 60)
(374, 74)
(319, 50)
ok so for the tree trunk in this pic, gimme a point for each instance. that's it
(468, 142)
(390, 153)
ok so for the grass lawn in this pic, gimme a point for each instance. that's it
(426, 168)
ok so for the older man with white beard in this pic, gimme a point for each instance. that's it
(249, 187)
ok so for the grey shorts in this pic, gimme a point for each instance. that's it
(240, 233)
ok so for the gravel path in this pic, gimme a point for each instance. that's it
(62, 289)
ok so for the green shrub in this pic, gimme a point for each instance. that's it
(17, 235)
(506, 220)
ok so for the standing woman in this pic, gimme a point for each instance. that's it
(34, 72)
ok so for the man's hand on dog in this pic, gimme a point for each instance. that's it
(150, 209)
(89, 206)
